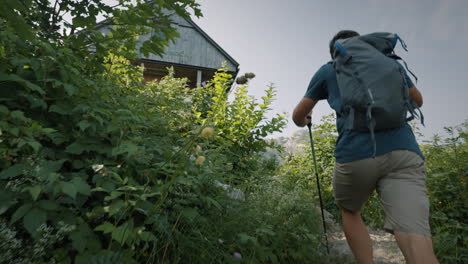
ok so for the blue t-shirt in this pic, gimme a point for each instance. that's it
(357, 145)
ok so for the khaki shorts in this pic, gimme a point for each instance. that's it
(400, 180)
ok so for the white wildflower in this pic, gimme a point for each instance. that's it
(97, 167)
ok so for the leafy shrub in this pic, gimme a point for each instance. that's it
(447, 171)
(97, 166)
(275, 225)
(122, 175)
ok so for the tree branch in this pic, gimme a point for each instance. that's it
(56, 14)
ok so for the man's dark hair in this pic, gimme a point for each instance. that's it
(343, 34)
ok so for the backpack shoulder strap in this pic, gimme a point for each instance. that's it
(396, 57)
(395, 41)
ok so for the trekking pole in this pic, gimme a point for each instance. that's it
(309, 125)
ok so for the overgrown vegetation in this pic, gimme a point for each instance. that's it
(447, 169)
(98, 167)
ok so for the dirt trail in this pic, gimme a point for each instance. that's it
(386, 250)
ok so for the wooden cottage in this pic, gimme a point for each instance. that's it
(193, 55)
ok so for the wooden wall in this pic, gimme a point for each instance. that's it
(154, 70)
(192, 52)
(192, 48)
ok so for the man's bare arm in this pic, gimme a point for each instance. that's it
(302, 111)
(416, 96)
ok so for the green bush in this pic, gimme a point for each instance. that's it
(275, 225)
(98, 167)
(447, 171)
(120, 177)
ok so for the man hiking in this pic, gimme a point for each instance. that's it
(373, 151)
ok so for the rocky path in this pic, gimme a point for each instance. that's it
(386, 250)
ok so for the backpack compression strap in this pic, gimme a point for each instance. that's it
(409, 104)
(341, 49)
(343, 52)
(396, 57)
(395, 41)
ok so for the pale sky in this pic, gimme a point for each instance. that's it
(285, 41)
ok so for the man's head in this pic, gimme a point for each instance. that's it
(343, 34)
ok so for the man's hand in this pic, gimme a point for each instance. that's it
(302, 111)
(309, 119)
(416, 96)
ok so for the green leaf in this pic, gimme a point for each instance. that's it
(48, 130)
(70, 89)
(20, 212)
(48, 205)
(59, 109)
(244, 238)
(34, 144)
(35, 191)
(115, 207)
(53, 177)
(144, 207)
(106, 228)
(129, 188)
(148, 195)
(6, 201)
(69, 189)
(104, 257)
(84, 238)
(190, 213)
(265, 231)
(15, 4)
(15, 131)
(49, 166)
(81, 186)
(76, 148)
(99, 189)
(83, 124)
(78, 241)
(112, 127)
(214, 202)
(33, 219)
(19, 115)
(13, 171)
(78, 164)
(113, 195)
(126, 147)
(15, 78)
(147, 236)
(36, 102)
(57, 138)
(124, 233)
(3, 109)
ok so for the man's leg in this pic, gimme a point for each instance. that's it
(416, 248)
(404, 198)
(353, 182)
(357, 236)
